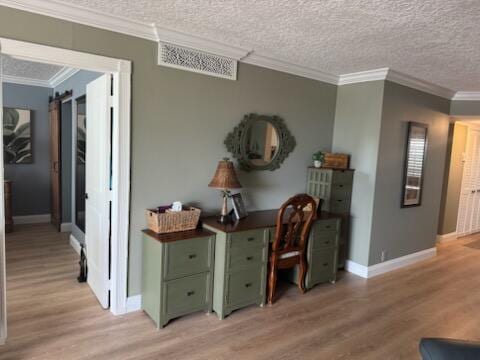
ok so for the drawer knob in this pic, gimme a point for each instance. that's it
(190, 293)
(327, 227)
(247, 285)
(192, 256)
(327, 242)
(325, 264)
(249, 258)
(250, 239)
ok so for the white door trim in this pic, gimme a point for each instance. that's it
(121, 71)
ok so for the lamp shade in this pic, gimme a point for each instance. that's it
(225, 176)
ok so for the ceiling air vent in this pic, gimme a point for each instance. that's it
(183, 58)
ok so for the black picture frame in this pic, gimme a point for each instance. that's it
(414, 164)
(238, 206)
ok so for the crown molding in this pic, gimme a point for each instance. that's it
(467, 96)
(398, 78)
(175, 37)
(64, 74)
(25, 81)
(84, 16)
(363, 76)
(291, 68)
(422, 85)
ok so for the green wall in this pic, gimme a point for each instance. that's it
(452, 185)
(357, 130)
(180, 120)
(465, 108)
(402, 231)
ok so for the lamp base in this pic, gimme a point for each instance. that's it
(225, 219)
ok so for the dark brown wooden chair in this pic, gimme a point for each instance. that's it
(291, 234)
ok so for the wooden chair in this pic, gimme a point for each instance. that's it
(291, 234)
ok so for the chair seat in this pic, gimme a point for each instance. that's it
(289, 254)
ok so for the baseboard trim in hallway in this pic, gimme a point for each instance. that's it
(134, 303)
(32, 219)
(65, 227)
(75, 244)
(447, 237)
(390, 265)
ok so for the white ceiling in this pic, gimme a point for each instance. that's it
(33, 73)
(28, 69)
(433, 40)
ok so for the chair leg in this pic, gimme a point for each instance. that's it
(302, 273)
(272, 282)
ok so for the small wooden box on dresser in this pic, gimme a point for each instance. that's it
(177, 275)
(334, 186)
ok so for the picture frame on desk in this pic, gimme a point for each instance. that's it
(238, 206)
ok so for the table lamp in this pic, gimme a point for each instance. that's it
(225, 179)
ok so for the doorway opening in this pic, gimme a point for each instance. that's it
(98, 166)
(460, 213)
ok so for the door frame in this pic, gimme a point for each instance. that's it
(120, 196)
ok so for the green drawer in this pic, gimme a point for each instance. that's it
(186, 295)
(339, 206)
(240, 257)
(324, 239)
(341, 191)
(342, 177)
(323, 266)
(187, 257)
(245, 285)
(252, 238)
(325, 225)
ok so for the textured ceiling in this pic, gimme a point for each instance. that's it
(27, 69)
(434, 40)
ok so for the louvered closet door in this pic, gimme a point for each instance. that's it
(469, 207)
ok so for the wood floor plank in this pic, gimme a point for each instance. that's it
(52, 316)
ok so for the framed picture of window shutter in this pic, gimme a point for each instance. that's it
(414, 167)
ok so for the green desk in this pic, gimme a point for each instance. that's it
(241, 257)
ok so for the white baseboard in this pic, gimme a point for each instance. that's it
(390, 265)
(447, 237)
(66, 227)
(32, 219)
(134, 303)
(75, 244)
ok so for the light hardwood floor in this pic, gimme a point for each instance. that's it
(51, 316)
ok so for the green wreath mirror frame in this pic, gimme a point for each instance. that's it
(260, 142)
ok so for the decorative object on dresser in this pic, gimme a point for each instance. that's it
(163, 219)
(241, 254)
(318, 159)
(334, 186)
(336, 161)
(225, 179)
(414, 168)
(17, 136)
(238, 206)
(288, 247)
(260, 142)
(7, 190)
(177, 274)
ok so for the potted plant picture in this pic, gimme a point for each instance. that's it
(318, 158)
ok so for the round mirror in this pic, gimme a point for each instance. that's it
(261, 143)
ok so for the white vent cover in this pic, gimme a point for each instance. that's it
(183, 58)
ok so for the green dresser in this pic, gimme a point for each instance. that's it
(177, 275)
(322, 253)
(335, 188)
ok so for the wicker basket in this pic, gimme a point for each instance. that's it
(172, 221)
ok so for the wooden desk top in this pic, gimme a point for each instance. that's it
(255, 220)
(180, 235)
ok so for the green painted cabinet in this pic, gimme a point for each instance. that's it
(177, 276)
(240, 269)
(335, 188)
(322, 253)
